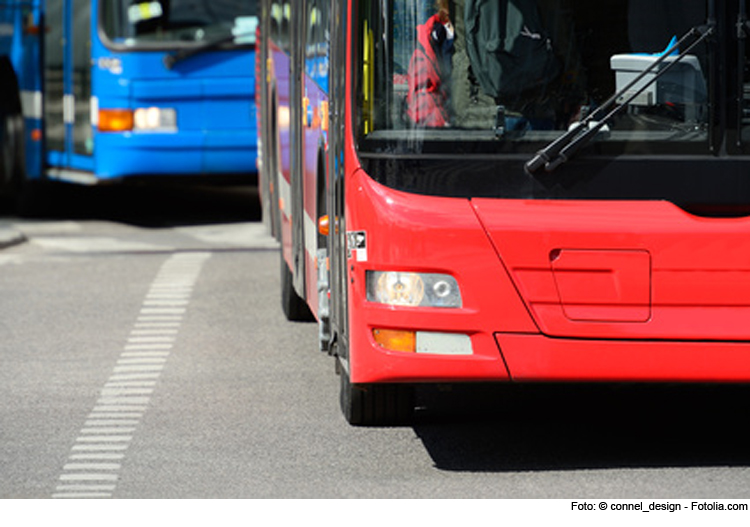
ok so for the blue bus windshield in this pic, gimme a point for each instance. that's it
(179, 22)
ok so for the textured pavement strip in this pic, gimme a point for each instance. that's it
(94, 464)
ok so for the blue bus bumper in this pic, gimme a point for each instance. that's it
(193, 153)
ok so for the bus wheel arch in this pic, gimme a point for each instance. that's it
(295, 307)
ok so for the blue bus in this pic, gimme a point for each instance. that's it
(95, 91)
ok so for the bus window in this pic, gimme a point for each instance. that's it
(281, 12)
(135, 22)
(83, 142)
(316, 43)
(590, 54)
(53, 78)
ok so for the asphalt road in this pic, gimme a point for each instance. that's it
(144, 355)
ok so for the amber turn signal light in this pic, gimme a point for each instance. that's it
(396, 340)
(115, 120)
(324, 225)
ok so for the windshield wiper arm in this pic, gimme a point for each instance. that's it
(171, 59)
(564, 147)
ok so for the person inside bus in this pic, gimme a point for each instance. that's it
(553, 100)
(428, 97)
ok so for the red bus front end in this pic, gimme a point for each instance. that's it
(623, 257)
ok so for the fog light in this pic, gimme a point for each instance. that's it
(433, 343)
(413, 289)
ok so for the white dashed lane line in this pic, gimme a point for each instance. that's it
(95, 460)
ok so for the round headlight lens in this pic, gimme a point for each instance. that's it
(400, 289)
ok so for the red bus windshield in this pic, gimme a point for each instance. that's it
(471, 98)
(516, 73)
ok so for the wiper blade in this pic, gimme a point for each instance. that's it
(564, 147)
(171, 59)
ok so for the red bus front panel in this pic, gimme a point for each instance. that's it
(551, 290)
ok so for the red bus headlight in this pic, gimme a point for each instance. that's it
(413, 289)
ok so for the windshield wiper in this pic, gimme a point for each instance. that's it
(171, 59)
(564, 147)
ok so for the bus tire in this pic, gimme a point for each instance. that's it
(7, 152)
(375, 404)
(26, 195)
(294, 307)
(11, 150)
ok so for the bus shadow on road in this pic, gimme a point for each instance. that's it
(147, 205)
(547, 428)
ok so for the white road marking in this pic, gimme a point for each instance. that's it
(108, 430)
(99, 244)
(243, 235)
(79, 448)
(97, 455)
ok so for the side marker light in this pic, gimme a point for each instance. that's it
(324, 225)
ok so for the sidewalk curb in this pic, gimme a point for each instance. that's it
(10, 236)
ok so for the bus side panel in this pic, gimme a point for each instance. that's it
(314, 184)
(261, 122)
(280, 82)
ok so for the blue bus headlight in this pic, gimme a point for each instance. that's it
(155, 120)
(413, 289)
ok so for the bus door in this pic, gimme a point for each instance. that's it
(297, 147)
(337, 240)
(67, 89)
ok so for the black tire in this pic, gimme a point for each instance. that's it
(6, 155)
(10, 147)
(29, 198)
(375, 404)
(294, 307)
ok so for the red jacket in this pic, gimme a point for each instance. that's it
(427, 99)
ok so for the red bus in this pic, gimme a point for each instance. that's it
(513, 191)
